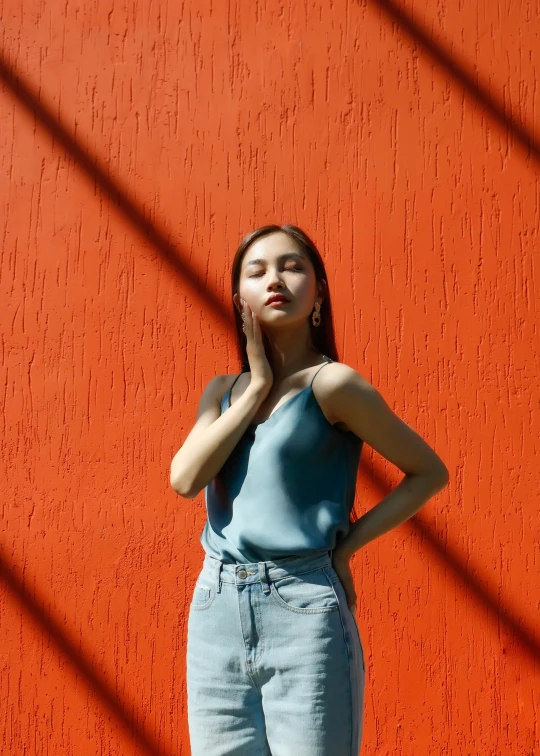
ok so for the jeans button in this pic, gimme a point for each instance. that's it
(242, 573)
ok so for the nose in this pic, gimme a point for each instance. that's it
(275, 280)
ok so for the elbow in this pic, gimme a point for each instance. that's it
(179, 480)
(184, 493)
(436, 477)
(441, 475)
(182, 488)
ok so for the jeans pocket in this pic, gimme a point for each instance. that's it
(203, 594)
(309, 593)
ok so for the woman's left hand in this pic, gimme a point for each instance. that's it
(342, 567)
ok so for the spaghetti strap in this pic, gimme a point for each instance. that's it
(326, 362)
(231, 388)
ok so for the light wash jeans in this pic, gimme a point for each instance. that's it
(275, 665)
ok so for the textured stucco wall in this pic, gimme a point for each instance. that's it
(138, 143)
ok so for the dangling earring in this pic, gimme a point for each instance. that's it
(243, 314)
(316, 316)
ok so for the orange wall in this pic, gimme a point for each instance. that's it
(139, 142)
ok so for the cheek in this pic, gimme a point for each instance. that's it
(250, 291)
(304, 291)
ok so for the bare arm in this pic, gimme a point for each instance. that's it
(353, 400)
(213, 437)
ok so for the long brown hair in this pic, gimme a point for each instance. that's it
(322, 336)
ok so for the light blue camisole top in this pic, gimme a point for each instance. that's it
(287, 487)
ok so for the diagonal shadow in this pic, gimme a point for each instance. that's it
(133, 211)
(116, 193)
(463, 76)
(450, 557)
(34, 606)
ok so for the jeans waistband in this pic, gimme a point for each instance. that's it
(265, 572)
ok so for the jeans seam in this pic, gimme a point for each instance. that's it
(261, 636)
(350, 659)
(249, 666)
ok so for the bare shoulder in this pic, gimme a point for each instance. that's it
(217, 387)
(339, 376)
(332, 388)
(209, 407)
(351, 399)
(227, 380)
(211, 393)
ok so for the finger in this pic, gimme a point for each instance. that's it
(254, 323)
(256, 327)
(247, 320)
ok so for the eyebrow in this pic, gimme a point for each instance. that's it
(286, 255)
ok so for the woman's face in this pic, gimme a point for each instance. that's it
(275, 265)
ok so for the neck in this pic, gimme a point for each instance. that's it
(290, 351)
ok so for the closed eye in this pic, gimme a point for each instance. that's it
(256, 275)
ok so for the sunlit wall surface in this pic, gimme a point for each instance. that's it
(139, 142)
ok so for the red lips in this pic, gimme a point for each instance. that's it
(276, 298)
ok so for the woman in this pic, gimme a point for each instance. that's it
(275, 665)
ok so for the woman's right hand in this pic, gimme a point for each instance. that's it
(261, 372)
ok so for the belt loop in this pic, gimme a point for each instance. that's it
(218, 576)
(264, 578)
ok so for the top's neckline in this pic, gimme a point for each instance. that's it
(276, 410)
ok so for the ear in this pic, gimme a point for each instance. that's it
(237, 303)
(321, 290)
